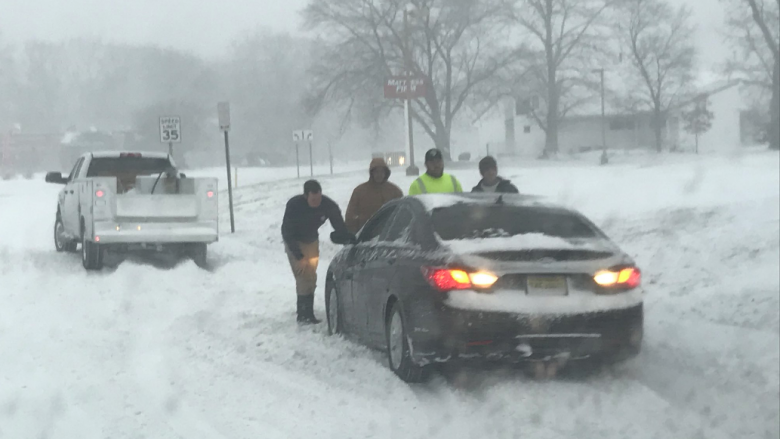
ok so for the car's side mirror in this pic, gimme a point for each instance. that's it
(55, 177)
(343, 238)
(182, 175)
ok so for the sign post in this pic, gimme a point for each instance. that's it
(223, 111)
(297, 137)
(308, 135)
(303, 136)
(170, 131)
(407, 88)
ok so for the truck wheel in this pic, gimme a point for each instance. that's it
(61, 242)
(398, 353)
(199, 255)
(91, 254)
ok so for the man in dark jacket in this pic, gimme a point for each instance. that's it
(491, 182)
(368, 197)
(302, 219)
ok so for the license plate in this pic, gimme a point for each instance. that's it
(547, 285)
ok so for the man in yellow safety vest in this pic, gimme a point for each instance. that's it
(434, 181)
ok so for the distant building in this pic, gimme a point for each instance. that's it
(734, 125)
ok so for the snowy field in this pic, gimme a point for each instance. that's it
(152, 350)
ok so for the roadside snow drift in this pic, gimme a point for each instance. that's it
(152, 348)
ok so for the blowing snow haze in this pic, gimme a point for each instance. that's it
(205, 28)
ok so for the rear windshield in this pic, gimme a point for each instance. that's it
(126, 166)
(470, 221)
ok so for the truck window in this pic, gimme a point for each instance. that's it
(124, 166)
(126, 169)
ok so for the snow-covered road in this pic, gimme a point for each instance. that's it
(151, 350)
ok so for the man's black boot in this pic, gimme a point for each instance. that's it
(301, 309)
(307, 306)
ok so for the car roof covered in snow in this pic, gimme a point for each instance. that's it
(116, 154)
(436, 201)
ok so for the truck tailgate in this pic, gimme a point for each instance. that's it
(156, 207)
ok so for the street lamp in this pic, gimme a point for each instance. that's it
(604, 158)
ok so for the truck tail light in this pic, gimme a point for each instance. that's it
(99, 193)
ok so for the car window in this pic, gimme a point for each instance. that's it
(400, 230)
(376, 225)
(76, 168)
(472, 221)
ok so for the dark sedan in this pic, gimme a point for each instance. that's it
(446, 277)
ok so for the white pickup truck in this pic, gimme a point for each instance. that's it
(122, 201)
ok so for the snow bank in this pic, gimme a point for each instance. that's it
(512, 301)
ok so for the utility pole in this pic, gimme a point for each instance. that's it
(604, 158)
(311, 160)
(412, 169)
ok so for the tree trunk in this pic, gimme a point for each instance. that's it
(442, 142)
(774, 110)
(551, 140)
(657, 129)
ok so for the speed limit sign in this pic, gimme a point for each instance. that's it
(170, 129)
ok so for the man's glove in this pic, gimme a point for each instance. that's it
(297, 253)
(343, 238)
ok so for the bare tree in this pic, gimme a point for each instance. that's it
(754, 30)
(660, 42)
(566, 35)
(264, 78)
(459, 46)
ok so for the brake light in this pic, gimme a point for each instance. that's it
(130, 154)
(210, 194)
(99, 194)
(444, 279)
(629, 277)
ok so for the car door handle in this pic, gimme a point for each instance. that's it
(70, 192)
(362, 264)
(391, 261)
(348, 275)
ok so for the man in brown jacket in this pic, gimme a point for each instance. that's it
(371, 195)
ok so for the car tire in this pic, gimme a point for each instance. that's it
(61, 243)
(199, 254)
(399, 356)
(91, 254)
(333, 309)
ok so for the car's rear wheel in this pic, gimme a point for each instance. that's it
(333, 309)
(91, 254)
(61, 242)
(398, 353)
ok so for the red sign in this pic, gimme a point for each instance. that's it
(404, 87)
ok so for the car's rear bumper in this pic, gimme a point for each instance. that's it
(156, 233)
(474, 335)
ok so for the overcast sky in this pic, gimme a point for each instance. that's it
(206, 27)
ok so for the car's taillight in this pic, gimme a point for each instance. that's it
(210, 194)
(445, 279)
(99, 194)
(629, 277)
